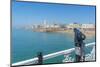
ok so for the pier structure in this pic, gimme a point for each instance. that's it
(67, 52)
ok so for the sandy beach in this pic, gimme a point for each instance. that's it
(86, 33)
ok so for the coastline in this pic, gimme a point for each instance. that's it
(87, 33)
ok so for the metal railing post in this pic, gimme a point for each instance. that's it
(40, 58)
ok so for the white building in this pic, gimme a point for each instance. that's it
(73, 25)
(87, 26)
(54, 26)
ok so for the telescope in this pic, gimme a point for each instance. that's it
(79, 45)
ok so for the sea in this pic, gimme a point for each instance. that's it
(26, 44)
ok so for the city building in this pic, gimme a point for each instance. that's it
(73, 25)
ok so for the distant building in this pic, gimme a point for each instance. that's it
(73, 25)
(90, 27)
(54, 26)
(87, 26)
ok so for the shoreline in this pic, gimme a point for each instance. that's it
(87, 33)
(68, 31)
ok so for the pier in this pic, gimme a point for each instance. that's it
(80, 55)
(51, 55)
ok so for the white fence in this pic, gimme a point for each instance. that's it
(52, 55)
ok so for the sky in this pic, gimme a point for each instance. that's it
(24, 13)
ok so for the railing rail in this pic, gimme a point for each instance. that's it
(52, 55)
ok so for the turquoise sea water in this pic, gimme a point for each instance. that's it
(26, 44)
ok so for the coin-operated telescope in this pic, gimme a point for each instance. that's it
(79, 45)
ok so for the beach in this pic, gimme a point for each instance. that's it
(87, 33)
